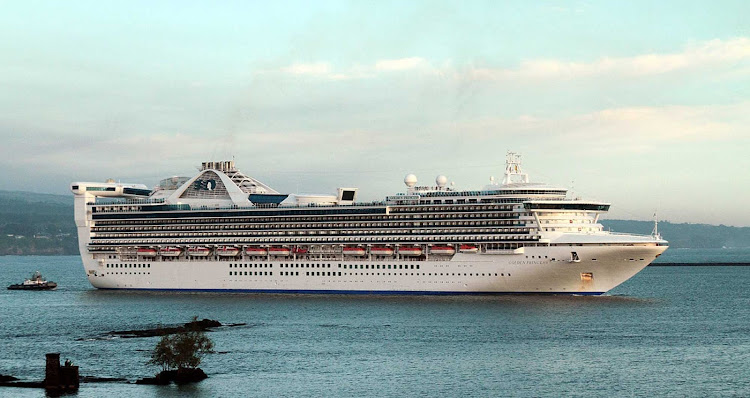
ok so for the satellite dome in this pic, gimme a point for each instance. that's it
(410, 180)
(441, 180)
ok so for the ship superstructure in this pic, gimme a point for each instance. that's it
(223, 230)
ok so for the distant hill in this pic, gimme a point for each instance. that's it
(696, 236)
(33, 223)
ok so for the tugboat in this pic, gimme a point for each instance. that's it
(36, 282)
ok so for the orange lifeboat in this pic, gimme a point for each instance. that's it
(170, 251)
(381, 251)
(146, 252)
(256, 251)
(279, 251)
(355, 251)
(410, 251)
(442, 250)
(227, 251)
(198, 251)
(468, 249)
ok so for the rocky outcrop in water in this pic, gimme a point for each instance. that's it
(4, 378)
(179, 376)
(204, 325)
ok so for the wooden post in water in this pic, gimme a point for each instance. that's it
(60, 379)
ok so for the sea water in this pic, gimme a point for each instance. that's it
(669, 331)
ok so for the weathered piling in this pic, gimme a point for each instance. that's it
(60, 378)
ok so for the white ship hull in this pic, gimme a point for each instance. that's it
(518, 237)
(533, 271)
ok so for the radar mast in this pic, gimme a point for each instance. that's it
(513, 173)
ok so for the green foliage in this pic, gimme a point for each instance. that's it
(163, 354)
(182, 350)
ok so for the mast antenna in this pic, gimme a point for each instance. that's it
(655, 231)
(513, 171)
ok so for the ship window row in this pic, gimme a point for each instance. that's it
(160, 211)
(565, 215)
(304, 265)
(310, 237)
(485, 246)
(568, 220)
(127, 273)
(378, 266)
(496, 192)
(302, 233)
(250, 265)
(473, 274)
(566, 206)
(193, 219)
(251, 273)
(127, 265)
(157, 209)
(579, 229)
(320, 240)
(514, 200)
(329, 225)
(329, 273)
(327, 265)
(420, 209)
(310, 232)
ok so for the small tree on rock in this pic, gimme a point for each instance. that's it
(184, 350)
(163, 354)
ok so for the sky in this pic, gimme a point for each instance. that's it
(643, 104)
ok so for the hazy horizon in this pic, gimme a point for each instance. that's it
(643, 105)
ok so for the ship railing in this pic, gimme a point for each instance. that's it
(628, 234)
(125, 201)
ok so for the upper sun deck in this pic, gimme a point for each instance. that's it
(515, 184)
(219, 184)
(110, 189)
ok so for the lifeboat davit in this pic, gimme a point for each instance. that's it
(468, 249)
(256, 251)
(146, 252)
(443, 250)
(355, 251)
(410, 251)
(279, 251)
(198, 251)
(381, 251)
(170, 251)
(300, 250)
(227, 251)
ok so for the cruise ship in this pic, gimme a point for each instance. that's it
(223, 230)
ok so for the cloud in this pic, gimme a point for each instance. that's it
(400, 64)
(694, 56)
(324, 70)
(625, 129)
(316, 69)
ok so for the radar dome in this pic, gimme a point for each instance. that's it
(441, 180)
(410, 180)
